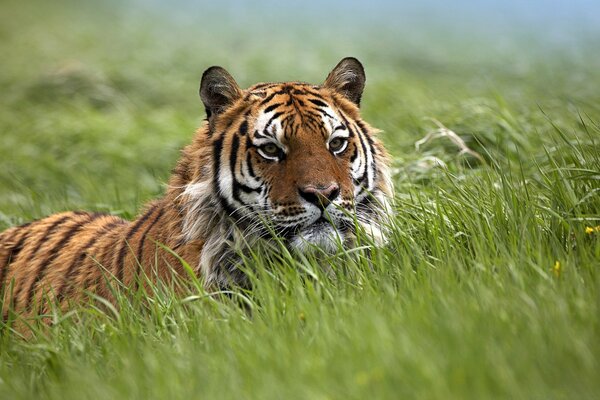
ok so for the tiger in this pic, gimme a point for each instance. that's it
(290, 161)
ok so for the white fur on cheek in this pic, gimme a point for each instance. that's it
(204, 219)
(198, 198)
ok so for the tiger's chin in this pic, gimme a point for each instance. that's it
(319, 236)
(324, 237)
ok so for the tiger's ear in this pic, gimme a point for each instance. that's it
(347, 78)
(218, 90)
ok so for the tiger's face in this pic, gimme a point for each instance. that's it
(296, 159)
(297, 172)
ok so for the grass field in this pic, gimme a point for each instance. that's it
(489, 287)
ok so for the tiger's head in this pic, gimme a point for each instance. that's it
(291, 159)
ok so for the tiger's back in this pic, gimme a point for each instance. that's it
(54, 255)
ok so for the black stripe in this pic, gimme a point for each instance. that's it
(365, 174)
(372, 148)
(217, 148)
(307, 90)
(347, 124)
(272, 107)
(12, 256)
(318, 102)
(235, 145)
(125, 243)
(244, 188)
(51, 229)
(228, 126)
(82, 254)
(244, 128)
(262, 135)
(98, 258)
(268, 98)
(317, 114)
(354, 154)
(249, 165)
(362, 127)
(371, 142)
(275, 116)
(351, 132)
(142, 239)
(326, 113)
(55, 252)
(236, 185)
(311, 122)
(291, 130)
(262, 86)
(47, 235)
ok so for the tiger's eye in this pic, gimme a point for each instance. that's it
(336, 144)
(270, 149)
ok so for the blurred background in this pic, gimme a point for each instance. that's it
(97, 98)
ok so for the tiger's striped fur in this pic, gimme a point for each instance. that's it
(291, 158)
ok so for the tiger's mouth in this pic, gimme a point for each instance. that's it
(320, 221)
(327, 231)
(326, 234)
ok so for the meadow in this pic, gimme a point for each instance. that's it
(488, 288)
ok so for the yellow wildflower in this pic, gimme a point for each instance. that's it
(591, 229)
(556, 269)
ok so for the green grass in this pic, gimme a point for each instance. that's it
(464, 302)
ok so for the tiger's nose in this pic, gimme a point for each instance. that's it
(320, 196)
